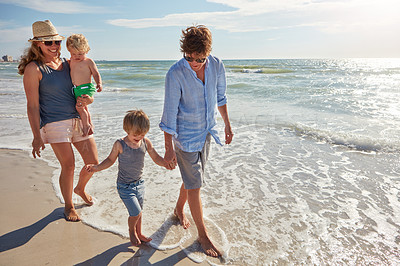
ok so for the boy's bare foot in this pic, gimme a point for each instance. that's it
(85, 196)
(182, 219)
(209, 247)
(135, 241)
(71, 215)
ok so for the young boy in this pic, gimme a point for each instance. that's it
(82, 70)
(130, 152)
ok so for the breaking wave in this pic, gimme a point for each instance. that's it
(348, 140)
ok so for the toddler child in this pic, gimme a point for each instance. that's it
(130, 152)
(82, 70)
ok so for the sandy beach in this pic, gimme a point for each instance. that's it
(34, 232)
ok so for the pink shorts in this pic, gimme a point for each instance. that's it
(69, 130)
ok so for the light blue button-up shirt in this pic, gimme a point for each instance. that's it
(190, 107)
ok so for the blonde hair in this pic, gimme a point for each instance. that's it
(78, 42)
(33, 53)
(136, 122)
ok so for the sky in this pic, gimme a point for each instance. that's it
(242, 29)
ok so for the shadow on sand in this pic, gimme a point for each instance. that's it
(140, 257)
(22, 236)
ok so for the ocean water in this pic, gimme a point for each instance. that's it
(312, 175)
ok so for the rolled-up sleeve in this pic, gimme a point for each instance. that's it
(172, 97)
(221, 85)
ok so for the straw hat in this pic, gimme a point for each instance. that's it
(45, 31)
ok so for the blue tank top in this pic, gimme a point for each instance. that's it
(131, 162)
(56, 100)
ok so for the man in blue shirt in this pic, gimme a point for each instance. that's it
(195, 87)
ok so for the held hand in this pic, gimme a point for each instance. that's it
(91, 168)
(166, 165)
(228, 134)
(37, 144)
(99, 87)
(170, 159)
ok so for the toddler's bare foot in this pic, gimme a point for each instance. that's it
(91, 130)
(71, 215)
(209, 247)
(182, 219)
(87, 130)
(135, 241)
(85, 196)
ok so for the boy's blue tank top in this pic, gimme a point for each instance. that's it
(131, 162)
(56, 100)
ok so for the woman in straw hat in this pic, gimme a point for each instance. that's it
(51, 111)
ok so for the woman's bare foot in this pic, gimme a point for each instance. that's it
(182, 219)
(85, 196)
(135, 241)
(209, 247)
(71, 215)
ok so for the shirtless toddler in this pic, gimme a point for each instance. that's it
(82, 71)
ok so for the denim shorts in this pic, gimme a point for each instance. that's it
(192, 165)
(132, 195)
(69, 130)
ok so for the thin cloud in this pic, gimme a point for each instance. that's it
(212, 18)
(233, 21)
(229, 21)
(15, 35)
(251, 7)
(60, 7)
(260, 15)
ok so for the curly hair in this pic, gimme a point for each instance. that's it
(33, 53)
(136, 122)
(196, 39)
(78, 42)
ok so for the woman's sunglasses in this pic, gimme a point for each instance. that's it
(199, 60)
(50, 43)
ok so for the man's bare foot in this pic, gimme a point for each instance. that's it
(135, 241)
(184, 221)
(71, 215)
(209, 247)
(85, 196)
(144, 238)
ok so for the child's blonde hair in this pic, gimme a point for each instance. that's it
(78, 42)
(136, 122)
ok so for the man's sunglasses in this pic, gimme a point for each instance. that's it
(199, 60)
(50, 43)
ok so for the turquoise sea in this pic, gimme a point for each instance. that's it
(312, 175)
